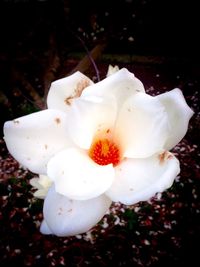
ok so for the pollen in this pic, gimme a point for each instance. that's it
(104, 152)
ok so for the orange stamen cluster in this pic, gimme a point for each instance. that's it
(104, 152)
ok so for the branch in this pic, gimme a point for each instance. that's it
(53, 63)
(37, 99)
(89, 60)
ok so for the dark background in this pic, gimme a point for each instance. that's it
(158, 27)
(39, 41)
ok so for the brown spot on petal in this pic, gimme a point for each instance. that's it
(164, 156)
(161, 157)
(77, 91)
(58, 120)
(68, 100)
(45, 146)
(70, 210)
(169, 156)
(60, 211)
(16, 121)
(82, 85)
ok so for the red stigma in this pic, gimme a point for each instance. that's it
(104, 152)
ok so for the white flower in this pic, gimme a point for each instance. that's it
(99, 143)
(112, 70)
(42, 184)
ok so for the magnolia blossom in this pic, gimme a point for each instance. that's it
(42, 184)
(98, 143)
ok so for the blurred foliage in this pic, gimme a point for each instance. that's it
(132, 219)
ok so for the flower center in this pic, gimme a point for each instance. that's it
(104, 152)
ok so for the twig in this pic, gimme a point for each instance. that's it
(86, 62)
(89, 54)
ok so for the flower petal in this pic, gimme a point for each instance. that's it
(62, 91)
(35, 183)
(42, 184)
(33, 139)
(77, 176)
(89, 116)
(66, 217)
(40, 193)
(140, 179)
(179, 114)
(142, 126)
(44, 228)
(112, 70)
(121, 85)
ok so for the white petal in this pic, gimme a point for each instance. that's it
(142, 126)
(44, 228)
(140, 179)
(66, 217)
(77, 176)
(112, 70)
(44, 181)
(35, 183)
(64, 90)
(89, 116)
(41, 193)
(33, 139)
(179, 115)
(121, 85)
(43, 184)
